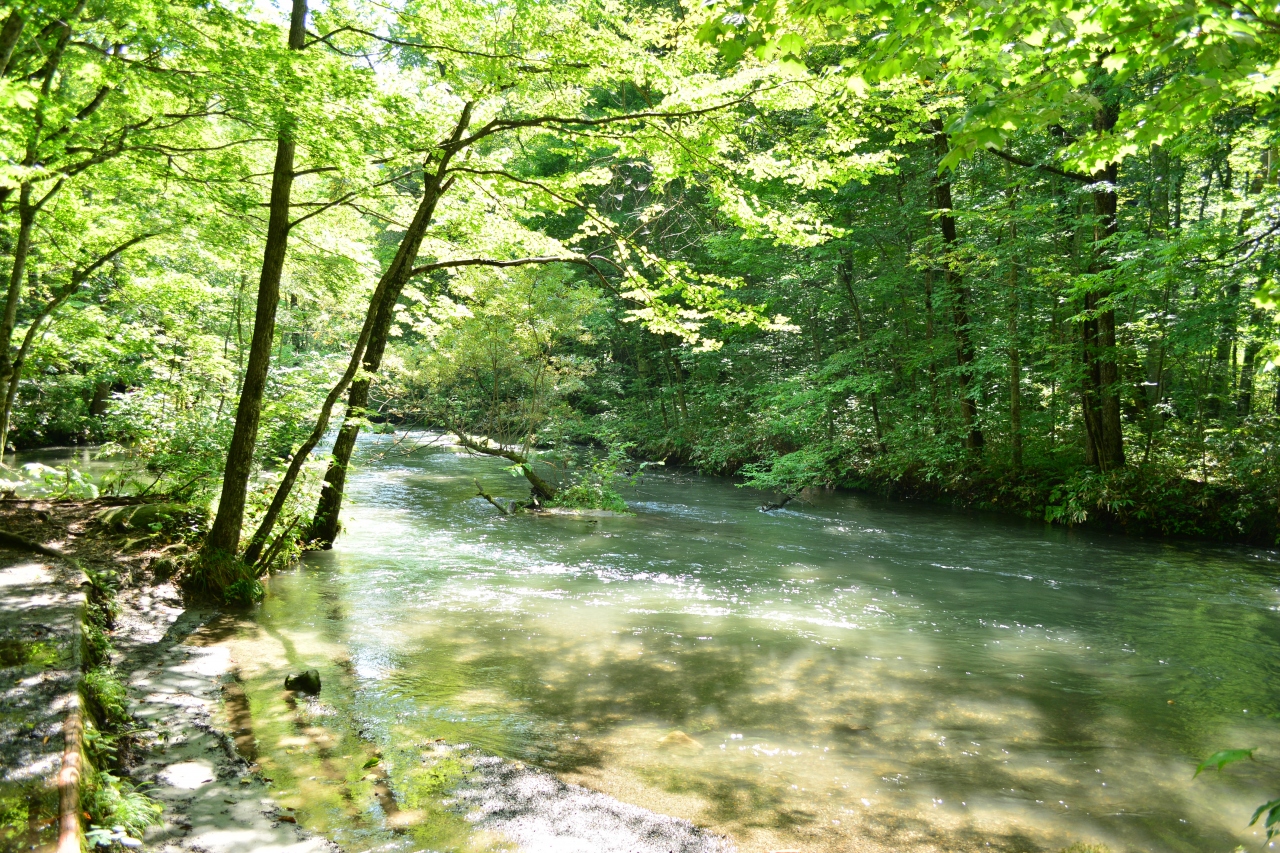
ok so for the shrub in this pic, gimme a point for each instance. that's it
(107, 697)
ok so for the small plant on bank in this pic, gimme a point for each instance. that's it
(118, 812)
(107, 697)
(35, 480)
(1268, 812)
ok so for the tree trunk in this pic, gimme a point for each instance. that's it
(960, 302)
(934, 412)
(9, 35)
(1015, 358)
(1223, 361)
(21, 251)
(224, 537)
(324, 524)
(845, 269)
(1100, 398)
(1252, 347)
(101, 397)
(542, 490)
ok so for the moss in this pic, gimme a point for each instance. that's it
(34, 654)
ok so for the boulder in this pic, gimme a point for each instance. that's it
(150, 517)
(303, 682)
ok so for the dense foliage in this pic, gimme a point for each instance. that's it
(1018, 255)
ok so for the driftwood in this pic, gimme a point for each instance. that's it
(482, 493)
(542, 490)
(779, 505)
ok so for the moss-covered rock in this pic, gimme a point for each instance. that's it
(161, 517)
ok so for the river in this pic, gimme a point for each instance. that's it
(847, 673)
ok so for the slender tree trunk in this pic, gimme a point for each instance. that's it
(1223, 362)
(77, 278)
(301, 454)
(224, 537)
(960, 302)
(1100, 398)
(21, 251)
(845, 269)
(933, 361)
(1252, 347)
(324, 524)
(15, 377)
(1015, 358)
(10, 32)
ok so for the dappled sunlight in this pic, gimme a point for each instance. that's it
(876, 693)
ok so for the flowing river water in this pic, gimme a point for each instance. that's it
(847, 673)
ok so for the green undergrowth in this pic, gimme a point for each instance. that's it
(596, 485)
(223, 579)
(1147, 500)
(118, 811)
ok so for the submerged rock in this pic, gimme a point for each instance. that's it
(303, 682)
(678, 740)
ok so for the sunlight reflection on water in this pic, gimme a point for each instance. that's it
(851, 675)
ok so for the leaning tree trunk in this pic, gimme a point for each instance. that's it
(13, 294)
(965, 353)
(542, 490)
(10, 32)
(1100, 397)
(224, 537)
(77, 278)
(324, 524)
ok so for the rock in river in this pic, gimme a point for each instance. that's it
(305, 682)
(678, 740)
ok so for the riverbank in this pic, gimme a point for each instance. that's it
(181, 745)
(107, 624)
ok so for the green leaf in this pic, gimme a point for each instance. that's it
(791, 44)
(372, 762)
(1272, 810)
(1221, 759)
(731, 50)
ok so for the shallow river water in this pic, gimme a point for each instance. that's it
(848, 674)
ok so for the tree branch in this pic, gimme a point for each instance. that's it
(1062, 173)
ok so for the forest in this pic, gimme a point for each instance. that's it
(1015, 257)
(948, 267)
